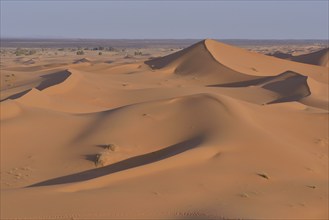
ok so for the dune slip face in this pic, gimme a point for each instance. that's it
(210, 131)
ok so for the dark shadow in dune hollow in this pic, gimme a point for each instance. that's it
(245, 83)
(289, 86)
(17, 95)
(48, 80)
(53, 79)
(126, 164)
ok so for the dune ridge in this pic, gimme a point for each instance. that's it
(319, 58)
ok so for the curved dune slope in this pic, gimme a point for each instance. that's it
(41, 83)
(261, 65)
(198, 139)
(289, 86)
(231, 63)
(83, 60)
(198, 60)
(234, 67)
(319, 58)
(137, 121)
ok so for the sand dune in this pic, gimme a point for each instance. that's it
(40, 83)
(259, 64)
(208, 131)
(319, 58)
(289, 86)
(83, 60)
(211, 56)
(30, 61)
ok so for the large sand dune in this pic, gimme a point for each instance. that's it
(319, 58)
(208, 131)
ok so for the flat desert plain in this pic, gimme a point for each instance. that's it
(210, 131)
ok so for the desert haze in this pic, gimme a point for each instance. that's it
(209, 131)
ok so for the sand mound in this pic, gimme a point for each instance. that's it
(83, 60)
(289, 86)
(319, 58)
(53, 79)
(319, 95)
(167, 117)
(43, 82)
(230, 63)
(197, 60)
(252, 63)
(9, 109)
(73, 83)
(66, 91)
(34, 97)
(36, 68)
(281, 55)
(26, 60)
(30, 61)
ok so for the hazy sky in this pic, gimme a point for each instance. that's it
(165, 19)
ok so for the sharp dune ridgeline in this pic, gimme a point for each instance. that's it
(209, 131)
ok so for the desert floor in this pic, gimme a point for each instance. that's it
(212, 130)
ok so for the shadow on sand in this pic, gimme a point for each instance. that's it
(126, 164)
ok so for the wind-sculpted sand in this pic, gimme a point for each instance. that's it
(210, 131)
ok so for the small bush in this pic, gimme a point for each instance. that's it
(31, 52)
(20, 52)
(138, 53)
(111, 49)
(111, 147)
(103, 158)
(80, 52)
(100, 53)
(127, 56)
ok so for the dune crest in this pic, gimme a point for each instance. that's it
(199, 61)
(83, 60)
(319, 58)
(289, 86)
(230, 63)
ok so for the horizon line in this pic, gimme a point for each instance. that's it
(76, 38)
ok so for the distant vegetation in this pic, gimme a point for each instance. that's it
(98, 48)
(138, 53)
(80, 52)
(104, 48)
(25, 52)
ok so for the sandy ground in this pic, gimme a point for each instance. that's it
(209, 131)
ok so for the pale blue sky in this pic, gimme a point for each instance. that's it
(165, 19)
